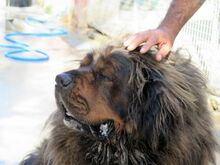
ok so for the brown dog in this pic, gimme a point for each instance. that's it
(122, 108)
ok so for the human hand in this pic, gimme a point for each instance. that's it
(146, 39)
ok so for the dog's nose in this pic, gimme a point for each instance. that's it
(63, 79)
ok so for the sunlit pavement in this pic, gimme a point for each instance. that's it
(27, 98)
(27, 92)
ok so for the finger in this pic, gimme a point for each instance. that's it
(136, 41)
(148, 45)
(128, 40)
(163, 52)
(158, 57)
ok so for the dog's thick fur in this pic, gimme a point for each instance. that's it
(158, 111)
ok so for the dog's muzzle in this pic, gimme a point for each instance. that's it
(100, 130)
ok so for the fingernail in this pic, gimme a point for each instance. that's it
(131, 47)
(158, 57)
(126, 43)
(142, 51)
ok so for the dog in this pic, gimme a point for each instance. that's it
(123, 108)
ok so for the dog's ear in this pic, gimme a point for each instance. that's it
(148, 85)
(161, 94)
(146, 82)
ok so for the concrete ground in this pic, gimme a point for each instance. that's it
(27, 92)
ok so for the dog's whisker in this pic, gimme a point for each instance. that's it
(91, 130)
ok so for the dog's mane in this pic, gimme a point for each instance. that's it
(164, 94)
(169, 99)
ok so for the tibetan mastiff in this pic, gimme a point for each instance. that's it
(123, 108)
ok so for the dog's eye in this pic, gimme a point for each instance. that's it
(101, 76)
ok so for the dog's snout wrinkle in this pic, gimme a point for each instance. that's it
(64, 80)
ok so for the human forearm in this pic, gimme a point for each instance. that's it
(179, 12)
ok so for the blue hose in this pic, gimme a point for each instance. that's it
(18, 47)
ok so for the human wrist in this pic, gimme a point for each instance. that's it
(170, 31)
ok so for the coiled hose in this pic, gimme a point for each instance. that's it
(17, 47)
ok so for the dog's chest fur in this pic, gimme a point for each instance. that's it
(121, 152)
(86, 150)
